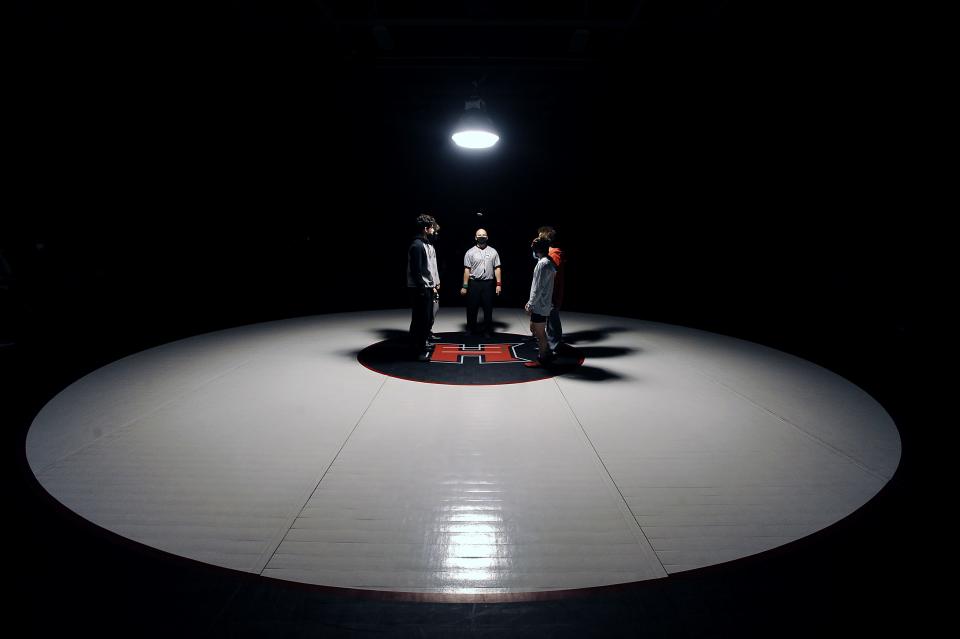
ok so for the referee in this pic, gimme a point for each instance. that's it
(481, 281)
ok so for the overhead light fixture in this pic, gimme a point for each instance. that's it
(475, 129)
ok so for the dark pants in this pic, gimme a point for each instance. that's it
(421, 317)
(554, 329)
(480, 293)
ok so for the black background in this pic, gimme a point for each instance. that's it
(741, 170)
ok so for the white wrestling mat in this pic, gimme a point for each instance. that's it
(269, 449)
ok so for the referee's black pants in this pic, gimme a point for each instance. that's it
(480, 293)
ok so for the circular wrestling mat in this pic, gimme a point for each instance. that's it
(269, 449)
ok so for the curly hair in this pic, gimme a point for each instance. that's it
(424, 221)
(547, 232)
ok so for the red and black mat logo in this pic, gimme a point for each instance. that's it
(505, 353)
(467, 360)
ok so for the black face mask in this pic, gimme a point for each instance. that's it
(482, 242)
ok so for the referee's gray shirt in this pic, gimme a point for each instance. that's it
(481, 262)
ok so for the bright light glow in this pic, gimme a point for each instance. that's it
(483, 576)
(473, 550)
(472, 529)
(475, 139)
(491, 549)
(475, 517)
(472, 539)
(474, 564)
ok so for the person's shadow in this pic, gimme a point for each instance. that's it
(392, 333)
(598, 352)
(593, 374)
(592, 335)
(497, 326)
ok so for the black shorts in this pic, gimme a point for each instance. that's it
(537, 319)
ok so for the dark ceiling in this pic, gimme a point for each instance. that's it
(355, 100)
(701, 134)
